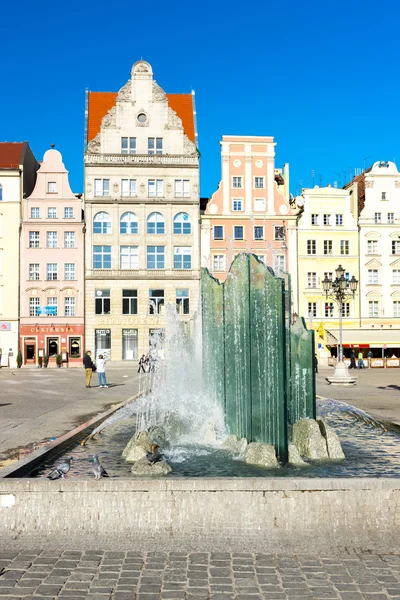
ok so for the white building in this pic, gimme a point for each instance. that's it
(141, 212)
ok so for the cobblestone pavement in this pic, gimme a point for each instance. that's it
(100, 575)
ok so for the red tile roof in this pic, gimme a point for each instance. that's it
(99, 103)
(12, 154)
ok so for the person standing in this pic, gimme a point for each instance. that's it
(361, 360)
(101, 371)
(142, 362)
(88, 364)
(352, 360)
(315, 363)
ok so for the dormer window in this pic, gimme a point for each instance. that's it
(51, 187)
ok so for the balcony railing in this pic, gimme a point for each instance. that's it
(141, 159)
(143, 274)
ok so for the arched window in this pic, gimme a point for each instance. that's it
(182, 224)
(1, 193)
(102, 223)
(129, 223)
(155, 223)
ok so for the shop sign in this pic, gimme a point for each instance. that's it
(149, 320)
(5, 326)
(377, 363)
(392, 362)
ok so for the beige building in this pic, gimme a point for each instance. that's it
(142, 214)
(17, 178)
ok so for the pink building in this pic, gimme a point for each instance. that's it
(52, 261)
(250, 211)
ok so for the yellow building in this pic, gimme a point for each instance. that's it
(327, 237)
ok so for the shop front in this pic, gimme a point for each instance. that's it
(378, 349)
(39, 341)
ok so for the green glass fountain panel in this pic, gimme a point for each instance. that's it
(302, 403)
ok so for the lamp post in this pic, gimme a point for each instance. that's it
(340, 290)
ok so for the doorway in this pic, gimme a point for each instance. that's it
(30, 351)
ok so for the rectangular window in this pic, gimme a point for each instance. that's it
(181, 188)
(52, 271)
(396, 276)
(69, 239)
(314, 219)
(328, 275)
(311, 247)
(156, 188)
(238, 232)
(258, 233)
(396, 247)
(378, 218)
(101, 257)
(129, 344)
(345, 309)
(396, 308)
(372, 276)
(35, 212)
(311, 280)
(128, 145)
(102, 302)
(69, 307)
(34, 239)
(372, 246)
(383, 195)
(68, 212)
(52, 213)
(218, 262)
(102, 341)
(52, 301)
(182, 257)
(102, 187)
(51, 187)
(69, 271)
(129, 257)
(258, 182)
(279, 263)
(52, 239)
(156, 302)
(155, 145)
(344, 247)
(328, 309)
(218, 232)
(74, 347)
(129, 302)
(339, 220)
(373, 308)
(34, 272)
(327, 219)
(236, 182)
(156, 257)
(259, 204)
(279, 232)
(182, 302)
(236, 204)
(312, 309)
(328, 247)
(128, 188)
(33, 306)
(391, 218)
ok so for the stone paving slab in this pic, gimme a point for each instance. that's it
(99, 575)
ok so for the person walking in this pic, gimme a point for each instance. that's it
(361, 360)
(142, 363)
(101, 371)
(88, 364)
(352, 360)
(315, 363)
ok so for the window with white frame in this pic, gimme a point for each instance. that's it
(156, 257)
(69, 271)
(314, 219)
(52, 301)
(328, 311)
(51, 187)
(328, 247)
(155, 145)
(259, 182)
(155, 223)
(52, 212)
(237, 204)
(129, 223)
(52, 239)
(34, 272)
(182, 188)
(373, 308)
(35, 212)
(129, 257)
(101, 257)
(311, 280)
(372, 246)
(128, 188)
(218, 232)
(344, 247)
(102, 222)
(327, 219)
(52, 271)
(328, 275)
(311, 247)
(238, 232)
(182, 224)
(219, 262)
(128, 145)
(155, 188)
(312, 309)
(396, 308)
(259, 204)
(396, 276)
(236, 182)
(69, 307)
(182, 302)
(258, 232)
(279, 263)
(378, 218)
(34, 239)
(182, 257)
(279, 232)
(34, 304)
(339, 220)
(102, 302)
(69, 239)
(129, 302)
(156, 302)
(372, 276)
(345, 309)
(390, 218)
(395, 247)
(101, 187)
(68, 212)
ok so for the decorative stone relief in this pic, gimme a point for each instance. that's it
(142, 188)
(174, 122)
(188, 146)
(125, 93)
(169, 188)
(115, 187)
(89, 187)
(247, 159)
(397, 184)
(110, 120)
(237, 163)
(140, 121)
(195, 188)
(142, 68)
(158, 93)
(94, 145)
(259, 164)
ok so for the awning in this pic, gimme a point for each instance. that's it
(330, 339)
(374, 338)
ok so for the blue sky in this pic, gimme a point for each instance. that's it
(321, 77)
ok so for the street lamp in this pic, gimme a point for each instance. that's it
(340, 290)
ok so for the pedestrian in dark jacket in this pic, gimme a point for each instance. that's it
(352, 360)
(142, 363)
(88, 364)
(315, 363)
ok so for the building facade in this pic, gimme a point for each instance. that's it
(18, 169)
(142, 214)
(250, 211)
(52, 268)
(327, 237)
